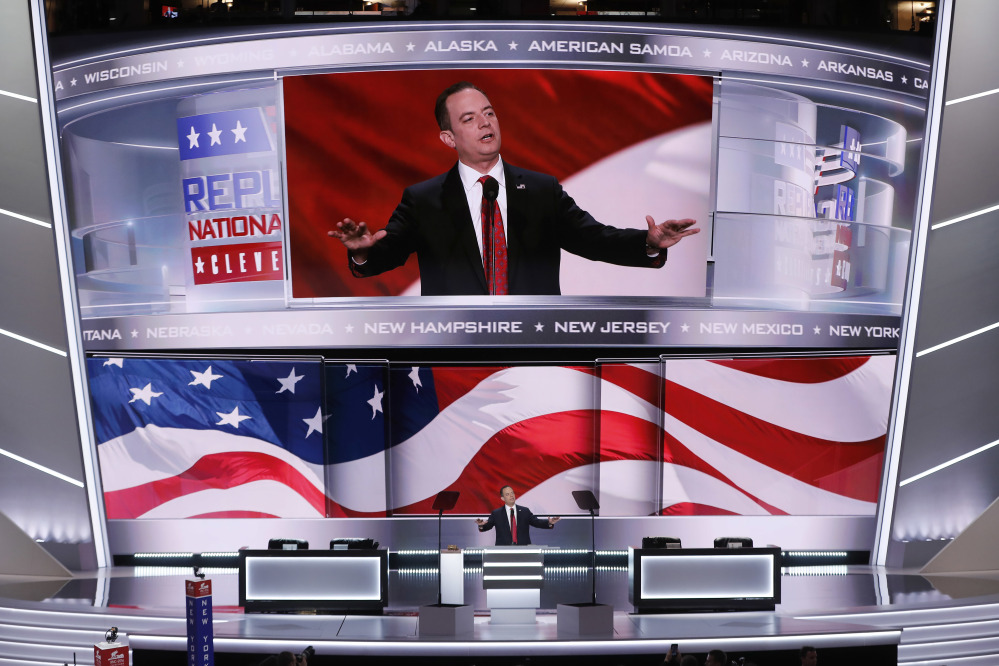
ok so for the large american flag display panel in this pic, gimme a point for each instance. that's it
(209, 438)
(217, 438)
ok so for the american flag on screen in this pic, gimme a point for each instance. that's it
(756, 437)
(184, 438)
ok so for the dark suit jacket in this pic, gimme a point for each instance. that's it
(500, 519)
(433, 221)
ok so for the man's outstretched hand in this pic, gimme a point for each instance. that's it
(669, 233)
(356, 237)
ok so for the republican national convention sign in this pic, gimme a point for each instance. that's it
(221, 438)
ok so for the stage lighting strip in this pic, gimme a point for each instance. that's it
(952, 461)
(831, 570)
(14, 95)
(25, 218)
(40, 468)
(150, 572)
(33, 343)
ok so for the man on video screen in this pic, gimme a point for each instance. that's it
(489, 228)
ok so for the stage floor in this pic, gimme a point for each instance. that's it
(931, 620)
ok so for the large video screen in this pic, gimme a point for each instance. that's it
(647, 153)
(203, 179)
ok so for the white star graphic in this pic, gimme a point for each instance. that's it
(233, 418)
(684, 328)
(239, 133)
(315, 423)
(410, 46)
(539, 327)
(135, 333)
(349, 328)
(200, 264)
(145, 394)
(288, 383)
(72, 82)
(817, 330)
(216, 135)
(414, 376)
(513, 46)
(707, 53)
(804, 63)
(376, 402)
(904, 80)
(193, 138)
(204, 378)
(351, 368)
(120, 362)
(180, 63)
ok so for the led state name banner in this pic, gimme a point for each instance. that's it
(217, 438)
(185, 235)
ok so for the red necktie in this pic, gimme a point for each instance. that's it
(513, 526)
(493, 247)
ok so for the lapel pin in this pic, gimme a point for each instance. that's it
(521, 186)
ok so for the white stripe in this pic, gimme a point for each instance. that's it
(33, 343)
(815, 410)
(962, 338)
(680, 484)
(947, 464)
(968, 98)
(962, 218)
(270, 497)
(25, 218)
(153, 453)
(41, 468)
(23, 98)
(768, 484)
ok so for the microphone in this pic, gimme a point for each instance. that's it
(490, 189)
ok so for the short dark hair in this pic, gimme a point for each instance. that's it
(440, 107)
(805, 649)
(719, 656)
(504, 488)
(286, 658)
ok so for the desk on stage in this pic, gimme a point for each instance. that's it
(354, 581)
(703, 579)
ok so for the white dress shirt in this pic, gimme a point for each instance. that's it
(473, 192)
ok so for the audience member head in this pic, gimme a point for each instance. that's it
(809, 656)
(716, 658)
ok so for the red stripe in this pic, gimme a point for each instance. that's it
(694, 509)
(217, 470)
(645, 383)
(524, 455)
(798, 370)
(451, 384)
(806, 458)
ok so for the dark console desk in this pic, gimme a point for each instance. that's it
(703, 579)
(353, 581)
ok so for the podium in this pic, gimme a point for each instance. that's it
(512, 577)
